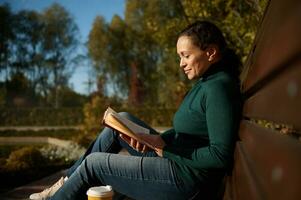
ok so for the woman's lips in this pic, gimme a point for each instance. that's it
(186, 71)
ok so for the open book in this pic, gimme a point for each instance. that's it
(124, 126)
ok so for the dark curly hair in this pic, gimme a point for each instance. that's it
(205, 33)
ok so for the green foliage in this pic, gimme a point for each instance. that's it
(67, 97)
(40, 46)
(28, 38)
(40, 116)
(58, 43)
(18, 92)
(62, 38)
(25, 158)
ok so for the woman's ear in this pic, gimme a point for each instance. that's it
(212, 53)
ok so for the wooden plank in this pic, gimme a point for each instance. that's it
(228, 194)
(280, 100)
(276, 160)
(278, 41)
(244, 184)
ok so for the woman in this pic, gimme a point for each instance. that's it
(192, 158)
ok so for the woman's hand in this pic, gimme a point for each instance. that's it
(154, 140)
(135, 144)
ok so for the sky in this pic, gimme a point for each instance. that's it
(84, 13)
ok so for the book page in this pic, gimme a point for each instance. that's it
(110, 121)
(131, 125)
(125, 126)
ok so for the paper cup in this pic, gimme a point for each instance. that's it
(100, 193)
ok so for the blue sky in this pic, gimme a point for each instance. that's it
(84, 12)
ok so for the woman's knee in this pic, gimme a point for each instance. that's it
(94, 157)
(107, 133)
(94, 163)
(106, 141)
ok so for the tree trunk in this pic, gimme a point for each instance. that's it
(136, 88)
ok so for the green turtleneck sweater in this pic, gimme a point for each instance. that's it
(202, 140)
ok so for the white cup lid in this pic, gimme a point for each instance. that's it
(101, 191)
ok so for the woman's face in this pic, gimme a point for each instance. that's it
(193, 60)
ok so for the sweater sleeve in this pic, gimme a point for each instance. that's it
(222, 118)
(168, 136)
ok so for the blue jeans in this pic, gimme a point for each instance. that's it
(139, 176)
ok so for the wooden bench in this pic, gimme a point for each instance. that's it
(267, 164)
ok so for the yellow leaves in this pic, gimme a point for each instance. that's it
(284, 129)
(117, 24)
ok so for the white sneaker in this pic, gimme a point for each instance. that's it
(48, 192)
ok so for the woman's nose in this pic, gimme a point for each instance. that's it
(182, 63)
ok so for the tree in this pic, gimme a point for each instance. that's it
(163, 20)
(59, 42)
(40, 46)
(6, 37)
(108, 53)
(144, 54)
(29, 54)
(127, 62)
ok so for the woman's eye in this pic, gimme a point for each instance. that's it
(186, 56)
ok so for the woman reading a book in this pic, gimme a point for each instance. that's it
(186, 162)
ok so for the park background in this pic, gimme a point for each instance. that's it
(132, 64)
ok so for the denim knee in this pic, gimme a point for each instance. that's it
(90, 166)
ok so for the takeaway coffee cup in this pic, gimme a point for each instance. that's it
(100, 193)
